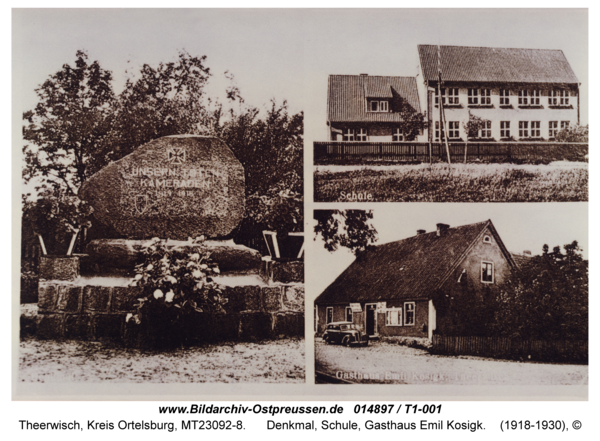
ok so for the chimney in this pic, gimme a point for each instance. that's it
(527, 252)
(419, 232)
(364, 75)
(441, 228)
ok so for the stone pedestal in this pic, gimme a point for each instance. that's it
(59, 267)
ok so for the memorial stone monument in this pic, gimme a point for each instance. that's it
(174, 188)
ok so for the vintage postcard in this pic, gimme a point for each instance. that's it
(300, 204)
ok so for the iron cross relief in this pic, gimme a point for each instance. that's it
(176, 155)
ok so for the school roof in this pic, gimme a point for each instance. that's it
(495, 64)
(407, 269)
(347, 97)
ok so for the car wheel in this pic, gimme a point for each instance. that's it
(346, 341)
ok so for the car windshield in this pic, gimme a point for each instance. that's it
(348, 327)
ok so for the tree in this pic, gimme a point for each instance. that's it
(547, 297)
(348, 228)
(271, 152)
(576, 133)
(472, 127)
(168, 99)
(412, 123)
(68, 124)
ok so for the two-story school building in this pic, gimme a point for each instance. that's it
(521, 94)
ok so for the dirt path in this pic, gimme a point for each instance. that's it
(391, 363)
(280, 361)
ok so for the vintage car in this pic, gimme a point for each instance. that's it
(346, 333)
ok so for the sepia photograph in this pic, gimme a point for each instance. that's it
(471, 106)
(493, 295)
(161, 196)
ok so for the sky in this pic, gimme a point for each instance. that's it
(261, 48)
(284, 53)
(521, 226)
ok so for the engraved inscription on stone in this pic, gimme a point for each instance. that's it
(173, 187)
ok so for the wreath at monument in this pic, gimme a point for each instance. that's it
(177, 283)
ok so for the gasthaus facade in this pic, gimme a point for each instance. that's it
(394, 289)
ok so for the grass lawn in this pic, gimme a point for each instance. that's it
(557, 182)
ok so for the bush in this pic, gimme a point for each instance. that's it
(177, 287)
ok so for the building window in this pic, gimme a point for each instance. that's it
(504, 97)
(558, 98)
(361, 134)
(409, 313)
(529, 97)
(523, 129)
(437, 96)
(480, 96)
(487, 239)
(349, 135)
(398, 135)
(504, 129)
(535, 129)
(485, 96)
(437, 131)
(487, 272)
(552, 128)
(453, 95)
(486, 131)
(379, 106)
(393, 317)
(329, 314)
(453, 129)
(473, 96)
(348, 314)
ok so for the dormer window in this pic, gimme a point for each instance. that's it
(379, 106)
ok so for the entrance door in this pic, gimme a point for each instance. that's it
(371, 319)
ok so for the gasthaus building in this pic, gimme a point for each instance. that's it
(393, 289)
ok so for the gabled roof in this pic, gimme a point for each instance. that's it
(347, 97)
(490, 64)
(408, 269)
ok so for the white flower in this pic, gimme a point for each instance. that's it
(171, 279)
(203, 266)
(170, 295)
(197, 274)
(216, 270)
(128, 317)
(158, 294)
(138, 276)
(149, 267)
(190, 264)
(195, 256)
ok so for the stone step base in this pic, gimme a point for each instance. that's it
(200, 328)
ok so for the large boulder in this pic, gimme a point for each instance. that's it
(173, 187)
